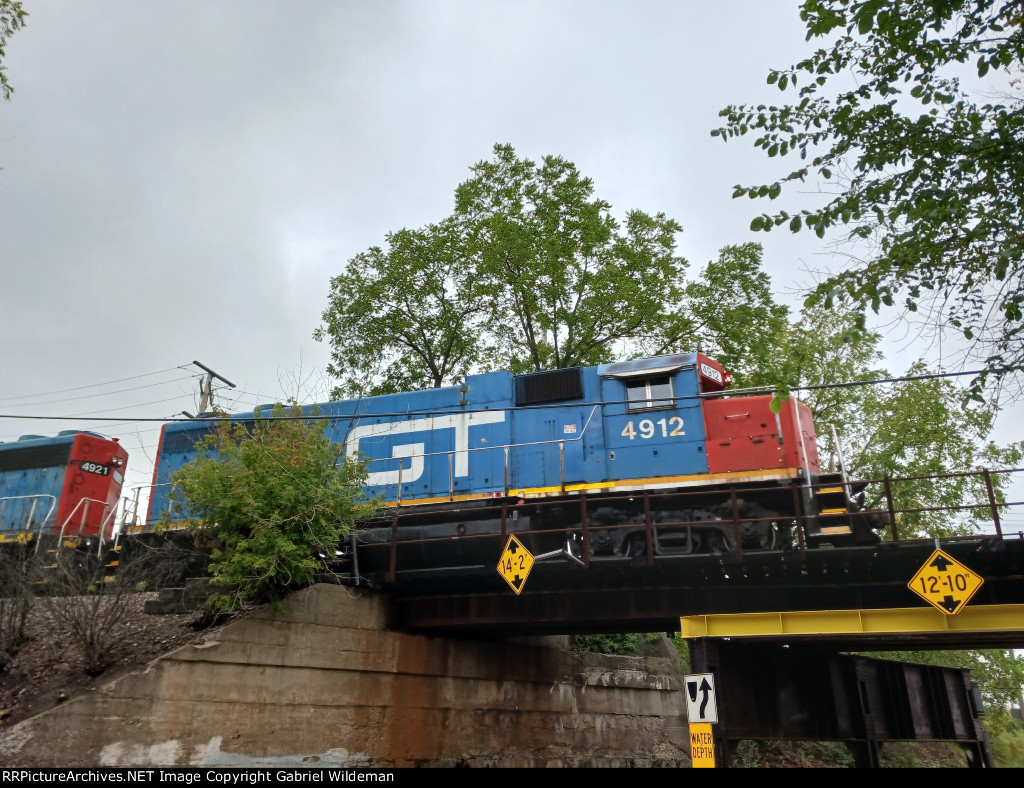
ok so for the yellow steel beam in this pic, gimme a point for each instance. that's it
(980, 618)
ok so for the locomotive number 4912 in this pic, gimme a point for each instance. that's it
(94, 467)
(665, 428)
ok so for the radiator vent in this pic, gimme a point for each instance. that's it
(557, 385)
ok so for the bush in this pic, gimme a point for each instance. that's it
(276, 495)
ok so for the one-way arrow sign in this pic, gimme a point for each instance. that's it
(701, 705)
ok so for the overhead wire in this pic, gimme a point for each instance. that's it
(103, 393)
(780, 389)
(94, 385)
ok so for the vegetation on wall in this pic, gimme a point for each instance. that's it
(277, 495)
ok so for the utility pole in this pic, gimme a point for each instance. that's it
(208, 386)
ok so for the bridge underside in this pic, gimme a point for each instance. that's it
(767, 691)
(641, 595)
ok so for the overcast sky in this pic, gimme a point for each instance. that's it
(181, 180)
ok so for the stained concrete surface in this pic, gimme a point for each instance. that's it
(327, 683)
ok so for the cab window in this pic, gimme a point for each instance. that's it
(649, 393)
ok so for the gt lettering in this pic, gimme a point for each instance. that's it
(664, 428)
(414, 450)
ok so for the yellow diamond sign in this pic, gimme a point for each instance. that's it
(945, 583)
(515, 564)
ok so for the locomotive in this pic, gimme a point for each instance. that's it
(632, 460)
(66, 486)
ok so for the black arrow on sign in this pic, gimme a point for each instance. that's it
(705, 687)
(517, 583)
(941, 563)
(950, 604)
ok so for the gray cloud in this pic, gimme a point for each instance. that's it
(180, 180)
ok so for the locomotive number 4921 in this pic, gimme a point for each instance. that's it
(94, 467)
(646, 428)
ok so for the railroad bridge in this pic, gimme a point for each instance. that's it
(782, 618)
(856, 598)
(459, 668)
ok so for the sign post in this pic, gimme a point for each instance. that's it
(702, 712)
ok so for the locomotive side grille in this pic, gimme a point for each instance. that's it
(553, 386)
(35, 457)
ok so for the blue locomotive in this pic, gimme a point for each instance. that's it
(67, 485)
(633, 459)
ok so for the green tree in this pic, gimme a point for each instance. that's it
(731, 314)
(564, 282)
(916, 427)
(928, 179)
(529, 272)
(404, 318)
(12, 18)
(919, 428)
(275, 494)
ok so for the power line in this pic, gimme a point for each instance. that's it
(102, 393)
(92, 385)
(706, 395)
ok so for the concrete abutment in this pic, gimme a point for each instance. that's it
(327, 684)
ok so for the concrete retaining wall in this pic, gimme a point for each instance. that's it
(327, 684)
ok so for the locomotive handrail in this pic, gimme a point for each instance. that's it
(800, 437)
(85, 513)
(837, 454)
(135, 508)
(979, 472)
(31, 514)
(138, 488)
(103, 526)
(993, 505)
